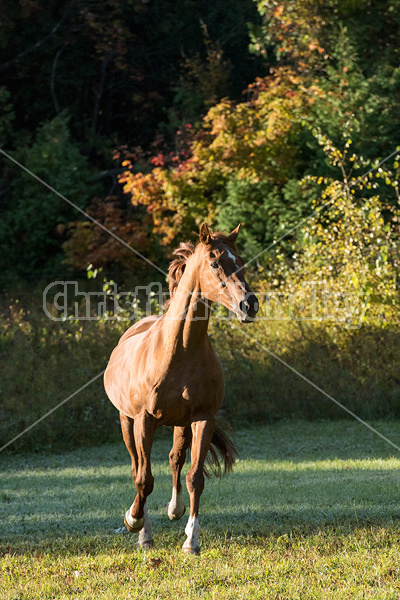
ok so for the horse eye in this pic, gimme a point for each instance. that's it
(214, 265)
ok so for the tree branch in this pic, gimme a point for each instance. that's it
(52, 79)
(104, 66)
(57, 26)
(109, 173)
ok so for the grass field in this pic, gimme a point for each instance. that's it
(310, 511)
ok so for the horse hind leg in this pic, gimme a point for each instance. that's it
(132, 524)
(181, 442)
(145, 540)
(203, 431)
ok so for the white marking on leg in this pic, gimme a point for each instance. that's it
(192, 530)
(145, 535)
(176, 507)
(136, 524)
(129, 519)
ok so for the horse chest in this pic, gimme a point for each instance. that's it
(173, 390)
(179, 396)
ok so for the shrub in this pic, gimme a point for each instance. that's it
(35, 218)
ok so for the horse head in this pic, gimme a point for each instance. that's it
(221, 275)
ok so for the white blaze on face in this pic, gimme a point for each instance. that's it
(192, 531)
(233, 257)
(239, 286)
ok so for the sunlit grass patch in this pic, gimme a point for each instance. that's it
(310, 511)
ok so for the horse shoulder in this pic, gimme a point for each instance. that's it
(124, 364)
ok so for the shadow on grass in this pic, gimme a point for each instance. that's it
(70, 512)
(294, 478)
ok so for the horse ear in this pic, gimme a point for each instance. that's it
(233, 234)
(205, 234)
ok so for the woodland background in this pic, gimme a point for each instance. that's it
(153, 117)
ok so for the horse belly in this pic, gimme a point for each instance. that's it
(119, 373)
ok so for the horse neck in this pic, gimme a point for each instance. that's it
(187, 318)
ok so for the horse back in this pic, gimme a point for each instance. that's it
(139, 327)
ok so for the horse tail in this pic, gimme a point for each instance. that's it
(222, 450)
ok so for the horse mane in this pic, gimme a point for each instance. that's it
(184, 252)
(177, 266)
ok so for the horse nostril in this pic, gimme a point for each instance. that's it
(244, 306)
(249, 306)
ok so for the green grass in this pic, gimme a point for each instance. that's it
(310, 511)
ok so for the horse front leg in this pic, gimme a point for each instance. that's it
(202, 431)
(177, 456)
(136, 518)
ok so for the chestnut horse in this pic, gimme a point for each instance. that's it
(164, 372)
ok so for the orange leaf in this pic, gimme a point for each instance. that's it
(154, 562)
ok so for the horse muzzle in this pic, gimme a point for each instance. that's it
(248, 308)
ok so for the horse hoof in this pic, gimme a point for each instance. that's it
(133, 525)
(175, 516)
(146, 545)
(190, 550)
